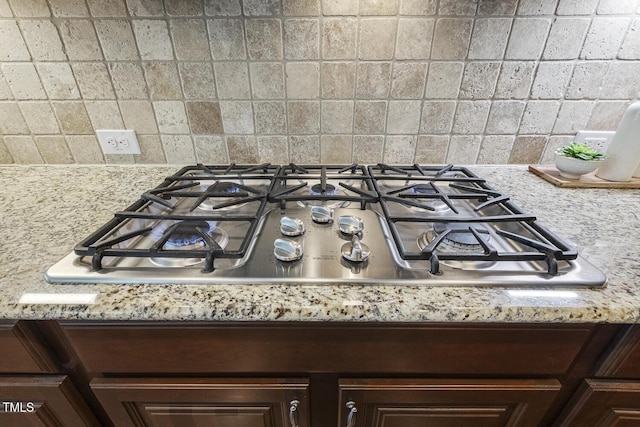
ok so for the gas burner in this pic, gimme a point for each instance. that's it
(460, 241)
(185, 237)
(316, 190)
(330, 190)
(430, 204)
(218, 190)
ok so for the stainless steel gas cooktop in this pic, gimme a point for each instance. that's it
(431, 225)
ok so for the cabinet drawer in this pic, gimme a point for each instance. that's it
(20, 352)
(297, 348)
(623, 361)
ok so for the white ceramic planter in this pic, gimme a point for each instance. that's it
(573, 168)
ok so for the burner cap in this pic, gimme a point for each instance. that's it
(460, 232)
(316, 190)
(423, 189)
(225, 187)
(185, 234)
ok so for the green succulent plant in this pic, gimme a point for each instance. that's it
(580, 151)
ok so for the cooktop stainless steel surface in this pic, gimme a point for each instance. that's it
(431, 225)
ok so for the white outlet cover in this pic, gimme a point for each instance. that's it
(105, 135)
(596, 139)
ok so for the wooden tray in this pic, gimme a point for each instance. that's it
(590, 180)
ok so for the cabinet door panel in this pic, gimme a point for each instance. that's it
(194, 402)
(604, 403)
(446, 403)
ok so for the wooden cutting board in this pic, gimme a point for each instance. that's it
(590, 180)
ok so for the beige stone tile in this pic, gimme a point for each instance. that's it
(264, 39)
(565, 38)
(373, 80)
(151, 150)
(23, 150)
(458, 7)
(463, 149)
(211, 149)
(377, 37)
(617, 7)
(162, 80)
(527, 149)
(377, 7)
(23, 80)
(178, 149)
(607, 115)
(232, 80)
(367, 149)
(267, 80)
(5, 10)
(171, 117)
(301, 39)
(551, 80)
(80, 40)
(495, 149)
(54, 149)
(302, 80)
(432, 149)
(94, 80)
(116, 38)
(604, 37)
(40, 118)
(622, 81)
(539, 117)
(197, 80)
(222, 7)
(339, 38)
(107, 8)
(492, 7)
(337, 116)
(72, 117)
(68, 8)
(537, 7)
(340, 7)
(418, 7)
(630, 48)
(85, 149)
(553, 144)
(226, 38)
(104, 114)
(237, 117)
(489, 39)
(139, 116)
(11, 120)
(336, 149)
(515, 80)
(304, 149)
(12, 45)
(273, 149)
(370, 117)
(587, 79)
(5, 155)
(43, 40)
(403, 117)
(505, 117)
(153, 39)
(528, 37)
(183, 7)
(437, 117)
(5, 92)
(471, 117)
(261, 7)
(479, 80)
(58, 80)
(204, 117)
(119, 159)
(451, 38)
(573, 116)
(399, 149)
(338, 79)
(443, 80)
(190, 39)
(29, 8)
(415, 37)
(408, 80)
(303, 117)
(145, 7)
(128, 81)
(301, 7)
(242, 149)
(270, 117)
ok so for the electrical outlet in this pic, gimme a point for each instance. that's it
(118, 141)
(598, 140)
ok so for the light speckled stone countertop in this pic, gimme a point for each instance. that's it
(48, 209)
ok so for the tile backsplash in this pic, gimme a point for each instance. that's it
(309, 81)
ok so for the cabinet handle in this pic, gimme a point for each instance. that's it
(351, 418)
(294, 418)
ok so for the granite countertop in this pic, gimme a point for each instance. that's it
(48, 209)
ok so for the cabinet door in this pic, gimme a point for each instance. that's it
(42, 400)
(195, 402)
(444, 403)
(603, 403)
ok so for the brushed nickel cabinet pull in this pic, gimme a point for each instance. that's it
(294, 418)
(351, 418)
